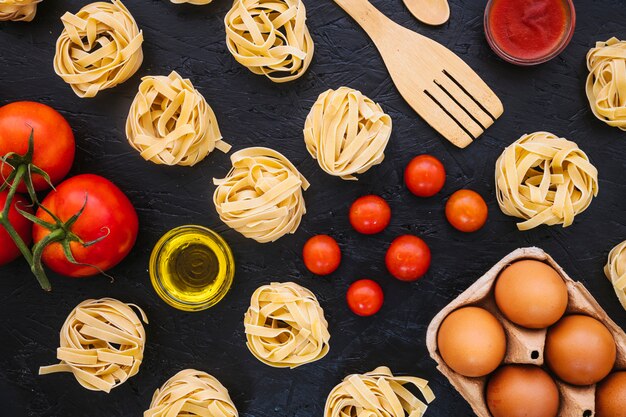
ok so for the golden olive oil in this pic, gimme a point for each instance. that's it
(192, 268)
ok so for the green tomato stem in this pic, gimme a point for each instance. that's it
(38, 270)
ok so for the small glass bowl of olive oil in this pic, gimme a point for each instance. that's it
(191, 268)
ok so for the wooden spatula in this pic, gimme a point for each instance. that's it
(431, 12)
(439, 86)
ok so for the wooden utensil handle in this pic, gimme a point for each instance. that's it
(366, 15)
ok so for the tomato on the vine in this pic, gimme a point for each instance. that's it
(466, 211)
(108, 215)
(408, 258)
(365, 297)
(425, 176)
(23, 227)
(370, 214)
(321, 255)
(54, 145)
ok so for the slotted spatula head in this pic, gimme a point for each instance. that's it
(435, 82)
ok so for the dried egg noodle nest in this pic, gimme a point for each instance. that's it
(171, 123)
(102, 344)
(544, 179)
(346, 132)
(191, 393)
(270, 37)
(615, 271)
(18, 10)
(378, 394)
(606, 83)
(285, 326)
(99, 48)
(261, 197)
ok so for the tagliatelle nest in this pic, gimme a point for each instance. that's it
(261, 197)
(99, 48)
(285, 326)
(544, 179)
(270, 37)
(346, 132)
(615, 271)
(191, 393)
(606, 83)
(18, 10)
(102, 344)
(378, 394)
(171, 123)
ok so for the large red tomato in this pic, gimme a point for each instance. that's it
(53, 139)
(108, 213)
(23, 226)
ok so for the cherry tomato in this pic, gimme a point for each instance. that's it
(466, 211)
(23, 226)
(108, 213)
(369, 214)
(53, 140)
(365, 297)
(321, 255)
(408, 258)
(425, 176)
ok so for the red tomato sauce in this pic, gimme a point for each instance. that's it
(528, 29)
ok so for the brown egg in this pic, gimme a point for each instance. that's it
(580, 350)
(471, 341)
(532, 294)
(522, 391)
(611, 396)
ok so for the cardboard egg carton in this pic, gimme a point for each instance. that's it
(525, 346)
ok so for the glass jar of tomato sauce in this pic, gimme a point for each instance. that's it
(529, 32)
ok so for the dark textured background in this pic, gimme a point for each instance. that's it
(251, 110)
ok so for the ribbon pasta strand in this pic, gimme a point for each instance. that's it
(615, 271)
(285, 326)
(261, 197)
(544, 179)
(270, 37)
(102, 343)
(378, 394)
(171, 123)
(191, 393)
(18, 10)
(346, 132)
(194, 2)
(606, 83)
(99, 48)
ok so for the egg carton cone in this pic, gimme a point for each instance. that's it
(525, 346)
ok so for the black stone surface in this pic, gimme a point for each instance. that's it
(251, 111)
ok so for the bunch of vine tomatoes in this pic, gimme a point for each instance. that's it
(85, 224)
(408, 257)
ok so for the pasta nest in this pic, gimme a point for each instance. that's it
(171, 123)
(99, 48)
(378, 394)
(261, 197)
(346, 132)
(18, 10)
(615, 271)
(606, 83)
(544, 179)
(285, 326)
(102, 344)
(191, 393)
(270, 37)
